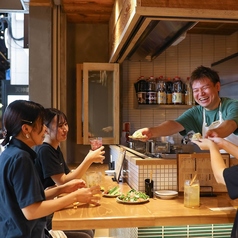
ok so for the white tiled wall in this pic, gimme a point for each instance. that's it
(179, 60)
(163, 176)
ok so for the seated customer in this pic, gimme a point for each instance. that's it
(50, 162)
(222, 174)
(24, 202)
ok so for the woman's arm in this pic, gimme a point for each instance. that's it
(217, 162)
(44, 208)
(96, 156)
(71, 186)
(226, 145)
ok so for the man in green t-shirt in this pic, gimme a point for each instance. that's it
(212, 117)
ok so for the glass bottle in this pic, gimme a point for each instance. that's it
(151, 94)
(188, 93)
(169, 90)
(141, 88)
(161, 91)
(177, 91)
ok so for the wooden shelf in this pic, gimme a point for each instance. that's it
(157, 106)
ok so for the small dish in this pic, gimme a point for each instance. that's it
(110, 195)
(166, 194)
(134, 202)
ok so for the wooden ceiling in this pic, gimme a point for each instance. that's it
(81, 11)
(99, 11)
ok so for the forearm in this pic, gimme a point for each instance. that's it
(44, 208)
(166, 128)
(53, 192)
(226, 128)
(79, 171)
(229, 147)
(217, 163)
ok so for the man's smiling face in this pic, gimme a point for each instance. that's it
(206, 93)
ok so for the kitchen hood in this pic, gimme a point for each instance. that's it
(151, 36)
(14, 6)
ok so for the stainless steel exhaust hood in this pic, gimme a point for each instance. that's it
(14, 6)
(151, 37)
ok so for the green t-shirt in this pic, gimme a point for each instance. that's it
(192, 119)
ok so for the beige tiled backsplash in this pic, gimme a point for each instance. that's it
(164, 176)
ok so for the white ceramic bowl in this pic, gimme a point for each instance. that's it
(166, 194)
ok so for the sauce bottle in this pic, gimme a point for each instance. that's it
(151, 94)
(161, 91)
(177, 91)
(188, 93)
(169, 90)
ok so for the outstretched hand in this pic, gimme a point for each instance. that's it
(90, 195)
(142, 134)
(204, 144)
(212, 133)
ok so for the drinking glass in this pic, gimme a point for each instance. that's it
(93, 178)
(96, 142)
(191, 194)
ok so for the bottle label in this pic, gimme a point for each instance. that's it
(151, 98)
(177, 98)
(161, 97)
(169, 98)
(141, 97)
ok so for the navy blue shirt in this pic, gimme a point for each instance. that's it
(49, 162)
(20, 187)
(231, 178)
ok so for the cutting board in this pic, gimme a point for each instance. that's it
(200, 164)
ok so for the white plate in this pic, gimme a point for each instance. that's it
(166, 194)
(136, 202)
(110, 195)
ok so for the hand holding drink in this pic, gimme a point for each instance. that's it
(94, 178)
(96, 142)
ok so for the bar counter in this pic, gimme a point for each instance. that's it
(156, 212)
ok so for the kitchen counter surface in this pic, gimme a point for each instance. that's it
(142, 159)
(156, 212)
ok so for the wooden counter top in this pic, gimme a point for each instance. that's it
(157, 212)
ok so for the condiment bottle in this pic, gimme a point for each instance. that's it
(188, 93)
(169, 90)
(151, 94)
(177, 91)
(141, 88)
(183, 92)
(161, 91)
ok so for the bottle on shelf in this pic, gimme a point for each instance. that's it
(169, 90)
(177, 91)
(141, 88)
(183, 92)
(151, 94)
(188, 93)
(161, 91)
